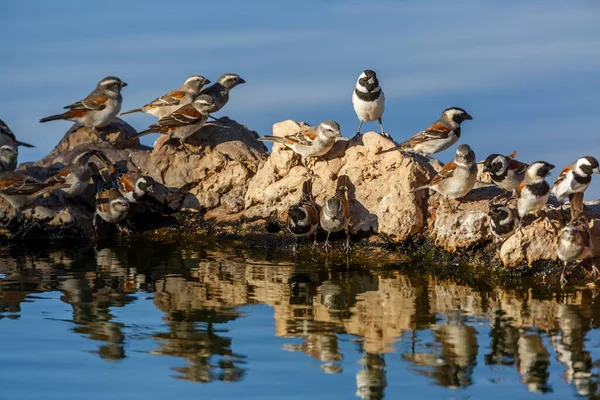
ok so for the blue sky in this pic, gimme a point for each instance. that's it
(526, 70)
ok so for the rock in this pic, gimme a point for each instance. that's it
(379, 185)
(534, 242)
(218, 167)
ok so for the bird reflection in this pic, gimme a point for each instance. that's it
(534, 361)
(371, 378)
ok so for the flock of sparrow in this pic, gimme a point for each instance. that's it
(182, 112)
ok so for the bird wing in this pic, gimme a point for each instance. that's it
(562, 176)
(5, 130)
(520, 188)
(126, 180)
(14, 183)
(517, 166)
(445, 173)
(183, 116)
(172, 98)
(304, 137)
(436, 131)
(90, 103)
(58, 177)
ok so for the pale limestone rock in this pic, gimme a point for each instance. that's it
(379, 185)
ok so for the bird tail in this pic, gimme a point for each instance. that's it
(132, 111)
(23, 144)
(51, 188)
(53, 118)
(341, 185)
(274, 139)
(400, 147)
(142, 133)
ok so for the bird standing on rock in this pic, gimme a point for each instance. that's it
(166, 104)
(314, 141)
(575, 178)
(76, 175)
(219, 91)
(368, 100)
(574, 244)
(98, 109)
(534, 191)
(183, 122)
(7, 137)
(440, 135)
(504, 220)
(457, 178)
(132, 185)
(303, 218)
(506, 172)
(335, 213)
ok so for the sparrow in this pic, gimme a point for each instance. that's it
(303, 218)
(574, 244)
(506, 172)
(575, 178)
(8, 137)
(457, 178)
(111, 206)
(368, 100)
(132, 184)
(335, 214)
(98, 109)
(20, 190)
(534, 191)
(440, 135)
(183, 122)
(504, 220)
(219, 91)
(76, 175)
(166, 104)
(8, 158)
(314, 141)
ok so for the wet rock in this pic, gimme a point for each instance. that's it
(379, 185)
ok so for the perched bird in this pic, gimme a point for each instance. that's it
(76, 175)
(8, 158)
(574, 244)
(132, 184)
(534, 191)
(368, 100)
(506, 172)
(219, 91)
(335, 214)
(98, 109)
(111, 206)
(314, 141)
(8, 137)
(440, 135)
(303, 218)
(504, 220)
(457, 178)
(183, 122)
(575, 178)
(166, 104)
(20, 190)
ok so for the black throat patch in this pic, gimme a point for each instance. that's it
(367, 96)
(539, 189)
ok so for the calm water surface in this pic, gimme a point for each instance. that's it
(157, 321)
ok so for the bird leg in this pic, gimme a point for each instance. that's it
(348, 244)
(327, 246)
(314, 246)
(386, 135)
(305, 163)
(594, 271)
(563, 279)
(452, 209)
(295, 247)
(358, 130)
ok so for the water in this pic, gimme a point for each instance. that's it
(147, 320)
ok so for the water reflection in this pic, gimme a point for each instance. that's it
(434, 325)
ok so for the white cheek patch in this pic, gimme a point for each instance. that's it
(371, 81)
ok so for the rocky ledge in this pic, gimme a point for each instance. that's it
(229, 184)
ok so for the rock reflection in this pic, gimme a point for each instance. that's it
(437, 327)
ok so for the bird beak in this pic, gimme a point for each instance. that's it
(485, 169)
(123, 84)
(550, 166)
(241, 81)
(207, 81)
(468, 117)
(597, 170)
